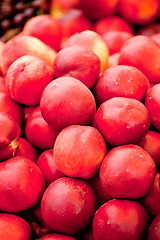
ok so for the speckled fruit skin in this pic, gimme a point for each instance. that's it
(67, 101)
(15, 193)
(125, 167)
(122, 120)
(68, 204)
(26, 78)
(136, 52)
(79, 150)
(120, 220)
(9, 136)
(13, 227)
(154, 229)
(75, 60)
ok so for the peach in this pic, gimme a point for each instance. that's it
(74, 21)
(151, 200)
(149, 29)
(79, 150)
(56, 236)
(12, 108)
(93, 41)
(26, 78)
(125, 167)
(46, 28)
(139, 12)
(154, 233)
(39, 132)
(1, 48)
(121, 81)
(151, 143)
(26, 149)
(14, 227)
(46, 163)
(136, 52)
(122, 120)
(3, 84)
(152, 102)
(9, 136)
(75, 60)
(73, 103)
(113, 60)
(112, 23)
(119, 220)
(68, 205)
(115, 40)
(21, 45)
(99, 8)
(156, 38)
(21, 184)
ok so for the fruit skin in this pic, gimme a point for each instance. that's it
(154, 229)
(122, 120)
(136, 52)
(121, 81)
(151, 200)
(56, 236)
(9, 136)
(151, 143)
(21, 45)
(13, 227)
(120, 220)
(75, 60)
(152, 103)
(15, 193)
(39, 132)
(79, 150)
(68, 204)
(73, 103)
(125, 167)
(46, 28)
(26, 78)
(139, 12)
(46, 163)
(93, 41)
(12, 108)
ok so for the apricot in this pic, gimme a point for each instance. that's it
(67, 101)
(39, 132)
(119, 220)
(93, 41)
(79, 150)
(136, 52)
(21, 45)
(14, 227)
(121, 81)
(46, 28)
(68, 205)
(26, 78)
(72, 61)
(125, 167)
(122, 120)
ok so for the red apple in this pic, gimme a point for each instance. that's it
(68, 205)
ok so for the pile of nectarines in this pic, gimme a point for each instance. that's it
(80, 123)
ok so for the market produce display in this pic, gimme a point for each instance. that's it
(80, 120)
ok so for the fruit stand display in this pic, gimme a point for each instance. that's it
(80, 120)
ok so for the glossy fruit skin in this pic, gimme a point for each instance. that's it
(9, 136)
(79, 151)
(125, 167)
(122, 120)
(26, 78)
(121, 81)
(68, 205)
(14, 227)
(21, 184)
(120, 220)
(153, 105)
(136, 51)
(56, 236)
(73, 103)
(154, 229)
